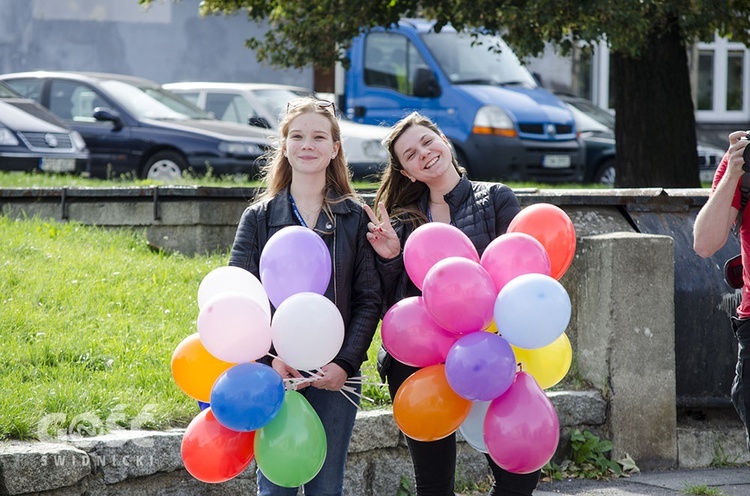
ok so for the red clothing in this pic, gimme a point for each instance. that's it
(743, 311)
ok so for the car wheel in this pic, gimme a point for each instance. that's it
(164, 166)
(606, 173)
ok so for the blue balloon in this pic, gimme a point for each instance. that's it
(203, 405)
(247, 396)
(532, 311)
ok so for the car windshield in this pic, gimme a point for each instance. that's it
(152, 102)
(6, 92)
(586, 123)
(275, 100)
(464, 64)
(593, 113)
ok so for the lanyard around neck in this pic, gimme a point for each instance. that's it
(296, 211)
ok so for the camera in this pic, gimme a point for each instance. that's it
(746, 152)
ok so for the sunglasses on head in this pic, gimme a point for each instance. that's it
(321, 104)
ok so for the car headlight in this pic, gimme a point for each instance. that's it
(77, 140)
(7, 138)
(374, 149)
(493, 120)
(239, 148)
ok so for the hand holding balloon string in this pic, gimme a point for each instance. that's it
(294, 380)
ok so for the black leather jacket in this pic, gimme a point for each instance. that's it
(355, 286)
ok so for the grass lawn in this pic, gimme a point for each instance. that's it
(90, 319)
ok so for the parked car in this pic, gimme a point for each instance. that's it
(133, 126)
(597, 128)
(263, 104)
(33, 139)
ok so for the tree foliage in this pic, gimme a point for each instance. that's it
(639, 33)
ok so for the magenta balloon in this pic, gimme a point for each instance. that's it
(294, 260)
(460, 295)
(480, 366)
(432, 242)
(521, 428)
(512, 255)
(412, 337)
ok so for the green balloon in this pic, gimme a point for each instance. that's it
(291, 448)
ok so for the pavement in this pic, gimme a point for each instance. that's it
(729, 481)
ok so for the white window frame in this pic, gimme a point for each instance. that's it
(721, 48)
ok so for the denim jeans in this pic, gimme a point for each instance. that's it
(337, 415)
(740, 395)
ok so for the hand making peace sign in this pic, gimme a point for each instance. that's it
(381, 235)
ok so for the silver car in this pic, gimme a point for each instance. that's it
(262, 105)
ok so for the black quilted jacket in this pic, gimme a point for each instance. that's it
(482, 211)
(355, 286)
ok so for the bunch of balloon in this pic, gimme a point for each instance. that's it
(247, 411)
(488, 385)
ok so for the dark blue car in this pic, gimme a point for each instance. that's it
(132, 126)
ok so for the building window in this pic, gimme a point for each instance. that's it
(735, 73)
(705, 90)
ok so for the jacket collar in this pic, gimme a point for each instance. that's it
(454, 197)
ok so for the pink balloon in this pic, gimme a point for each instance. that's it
(432, 242)
(460, 295)
(295, 260)
(412, 337)
(514, 254)
(234, 327)
(521, 428)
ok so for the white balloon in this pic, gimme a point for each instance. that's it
(307, 331)
(233, 279)
(472, 428)
(234, 328)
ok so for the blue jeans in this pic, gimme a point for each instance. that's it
(337, 415)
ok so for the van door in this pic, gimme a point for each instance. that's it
(391, 71)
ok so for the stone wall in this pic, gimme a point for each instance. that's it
(148, 463)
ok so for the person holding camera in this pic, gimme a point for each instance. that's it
(724, 209)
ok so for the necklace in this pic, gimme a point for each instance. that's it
(306, 217)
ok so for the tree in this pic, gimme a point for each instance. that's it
(648, 40)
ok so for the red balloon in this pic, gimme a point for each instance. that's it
(212, 453)
(521, 428)
(552, 227)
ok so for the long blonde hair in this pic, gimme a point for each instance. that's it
(277, 173)
(399, 194)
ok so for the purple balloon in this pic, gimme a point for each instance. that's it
(295, 260)
(480, 366)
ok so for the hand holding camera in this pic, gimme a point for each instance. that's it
(746, 154)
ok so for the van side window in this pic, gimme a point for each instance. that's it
(390, 61)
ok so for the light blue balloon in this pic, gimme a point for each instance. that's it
(532, 311)
(472, 428)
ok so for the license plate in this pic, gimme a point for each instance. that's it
(556, 161)
(54, 164)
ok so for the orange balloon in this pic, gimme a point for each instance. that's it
(548, 364)
(552, 227)
(425, 407)
(195, 370)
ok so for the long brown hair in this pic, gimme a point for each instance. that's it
(277, 173)
(399, 194)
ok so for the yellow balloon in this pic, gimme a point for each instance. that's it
(195, 370)
(492, 327)
(549, 364)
